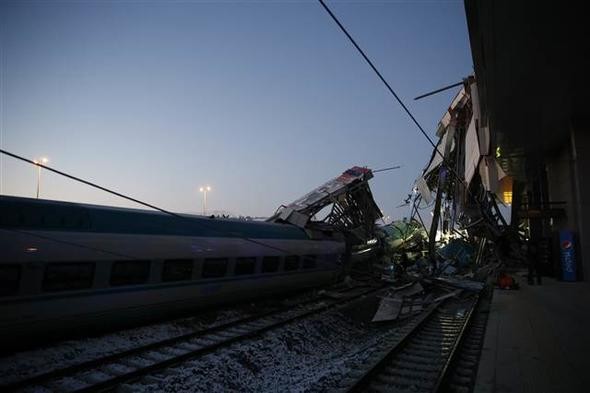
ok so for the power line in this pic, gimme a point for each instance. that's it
(358, 48)
(362, 53)
(89, 183)
(231, 234)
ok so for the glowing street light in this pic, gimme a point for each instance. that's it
(43, 161)
(205, 190)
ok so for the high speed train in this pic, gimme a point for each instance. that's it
(69, 267)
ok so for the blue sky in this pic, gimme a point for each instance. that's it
(262, 100)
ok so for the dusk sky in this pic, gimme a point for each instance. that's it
(261, 100)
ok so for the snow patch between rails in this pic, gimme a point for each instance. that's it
(309, 355)
(30, 363)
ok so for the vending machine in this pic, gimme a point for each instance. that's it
(567, 255)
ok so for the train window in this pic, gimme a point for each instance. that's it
(177, 270)
(245, 266)
(291, 262)
(270, 264)
(76, 220)
(10, 217)
(9, 279)
(130, 272)
(310, 262)
(214, 267)
(68, 276)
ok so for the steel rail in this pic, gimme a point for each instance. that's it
(477, 320)
(374, 369)
(98, 363)
(363, 382)
(159, 365)
(461, 336)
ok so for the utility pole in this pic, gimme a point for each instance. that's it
(42, 160)
(442, 177)
(204, 190)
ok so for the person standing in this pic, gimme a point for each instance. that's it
(533, 262)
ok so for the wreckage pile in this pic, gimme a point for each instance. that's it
(462, 187)
(404, 301)
(403, 254)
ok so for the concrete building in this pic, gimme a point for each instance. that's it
(531, 64)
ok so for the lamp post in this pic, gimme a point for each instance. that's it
(42, 160)
(205, 190)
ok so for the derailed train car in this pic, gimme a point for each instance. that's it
(69, 267)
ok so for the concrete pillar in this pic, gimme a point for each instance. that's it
(566, 169)
(580, 151)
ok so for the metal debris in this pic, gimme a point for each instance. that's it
(456, 292)
(468, 285)
(389, 309)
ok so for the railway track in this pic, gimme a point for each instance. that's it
(419, 358)
(463, 371)
(108, 372)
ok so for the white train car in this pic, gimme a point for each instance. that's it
(68, 267)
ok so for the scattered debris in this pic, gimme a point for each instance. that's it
(411, 290)
(389, 309)
(403, 302)
(456, 292)
(403, 236)
(458, 252)
(332, 294)
(506, 281)
(468, 285)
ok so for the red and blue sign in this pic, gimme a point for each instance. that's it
(567, 256)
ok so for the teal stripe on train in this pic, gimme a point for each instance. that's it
(46, 215)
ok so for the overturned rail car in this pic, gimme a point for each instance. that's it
(70, 267)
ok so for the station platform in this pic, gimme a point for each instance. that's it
(537, 339)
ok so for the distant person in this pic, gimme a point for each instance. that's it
(533, 262)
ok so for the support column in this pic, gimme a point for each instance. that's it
(580, 144)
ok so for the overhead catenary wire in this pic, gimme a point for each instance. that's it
(358, 48)
(397, 98)
(176, 215)
(151, 206)
(88, 183)
(388, 86)
(444, 162)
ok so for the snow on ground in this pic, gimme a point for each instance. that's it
(25, 364)
(33, 362)
(306, 353)
(310, 355)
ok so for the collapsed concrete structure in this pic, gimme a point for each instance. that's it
(531, 66)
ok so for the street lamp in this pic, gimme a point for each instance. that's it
(205, 190)
(42, 160)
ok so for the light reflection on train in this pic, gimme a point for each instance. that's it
(69, 267)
